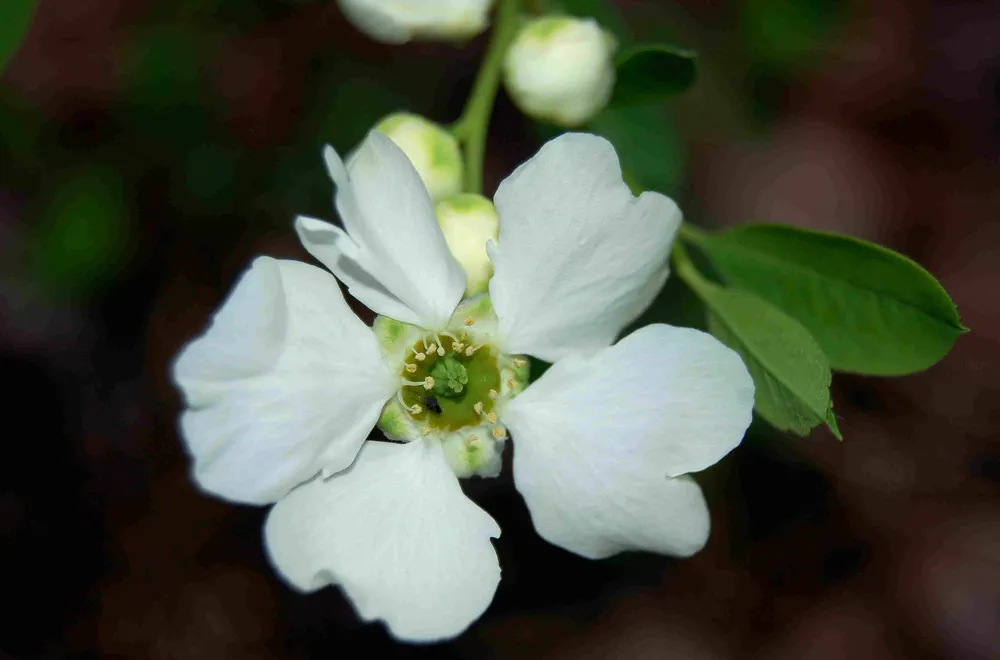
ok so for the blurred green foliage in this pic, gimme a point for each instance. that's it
(81, 235)
(15, 19)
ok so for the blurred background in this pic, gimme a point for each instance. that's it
(150, 148)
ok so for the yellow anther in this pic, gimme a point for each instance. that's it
(469, 351)
(510, 383)
(457, 346)
(519, 362)
(432, 348)
(469, 321)
(499, 432)
(478, 407)
(429, 383)
(410, 368)
(491, 417)
(440, 351)
(415, 409)
(420, 357)
(494, 394)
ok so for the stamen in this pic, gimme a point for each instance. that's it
(410, 368)
(491, 417)
(472, 349)
(494, 394)
(420, 383)
(519, 362)
(457, 346)
(415, 409)
(432, 348)
(469, 321)
(478, 407)
(420, 357)
(499, 432)
(463, 335)
(510, 383)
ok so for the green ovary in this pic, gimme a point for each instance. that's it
(460, 382)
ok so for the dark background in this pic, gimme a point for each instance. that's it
(150, 148)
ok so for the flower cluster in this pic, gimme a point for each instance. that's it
(286, 385)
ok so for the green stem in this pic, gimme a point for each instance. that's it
(692, 234)
(472, 126)
(688, 272)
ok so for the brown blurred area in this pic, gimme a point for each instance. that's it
(883, 547)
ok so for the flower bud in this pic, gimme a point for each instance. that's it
(560, 69)
(468, 222)
(473, 452)
(432, 150)
(398, 21)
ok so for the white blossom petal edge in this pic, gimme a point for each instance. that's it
(397, 533)
(392, 256)
(286, 382)
(597, 440)
(398, 21)
(579, 257)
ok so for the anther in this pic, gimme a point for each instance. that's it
(491, 417)
(469, 321)
(510, 383)
(410, 368)
(420, 357)
(457, 346)
(478, 407)
(472, 349)
(415, 409)
(432, 348)
(429, 383)
(494, 394)
(499, 432)
(519, 362)
(440, 351)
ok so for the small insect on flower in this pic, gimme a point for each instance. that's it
(432, 404)
(286, 384)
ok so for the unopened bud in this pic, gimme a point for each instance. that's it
(474, 452)
(468, 222)
(560, 69)
(434, 152)
(399, 21)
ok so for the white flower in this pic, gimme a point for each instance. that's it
(398, 21)
(560, 69)
(284, 387)
(432, 150)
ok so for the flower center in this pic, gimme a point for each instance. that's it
(450, 384)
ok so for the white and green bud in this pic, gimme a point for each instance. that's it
(468, 222)
(433, 151)
(453, 386)
(399, 21)
(560, 69)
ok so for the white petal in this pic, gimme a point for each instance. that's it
(596, 438)
(286, 382)
(397, 533)
(393, 256)
(579, 257)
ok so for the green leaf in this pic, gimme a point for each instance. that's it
(791, 374)
(647, 143)
(872, 310)
(15, 19)
(652, 73)
(80, 239)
